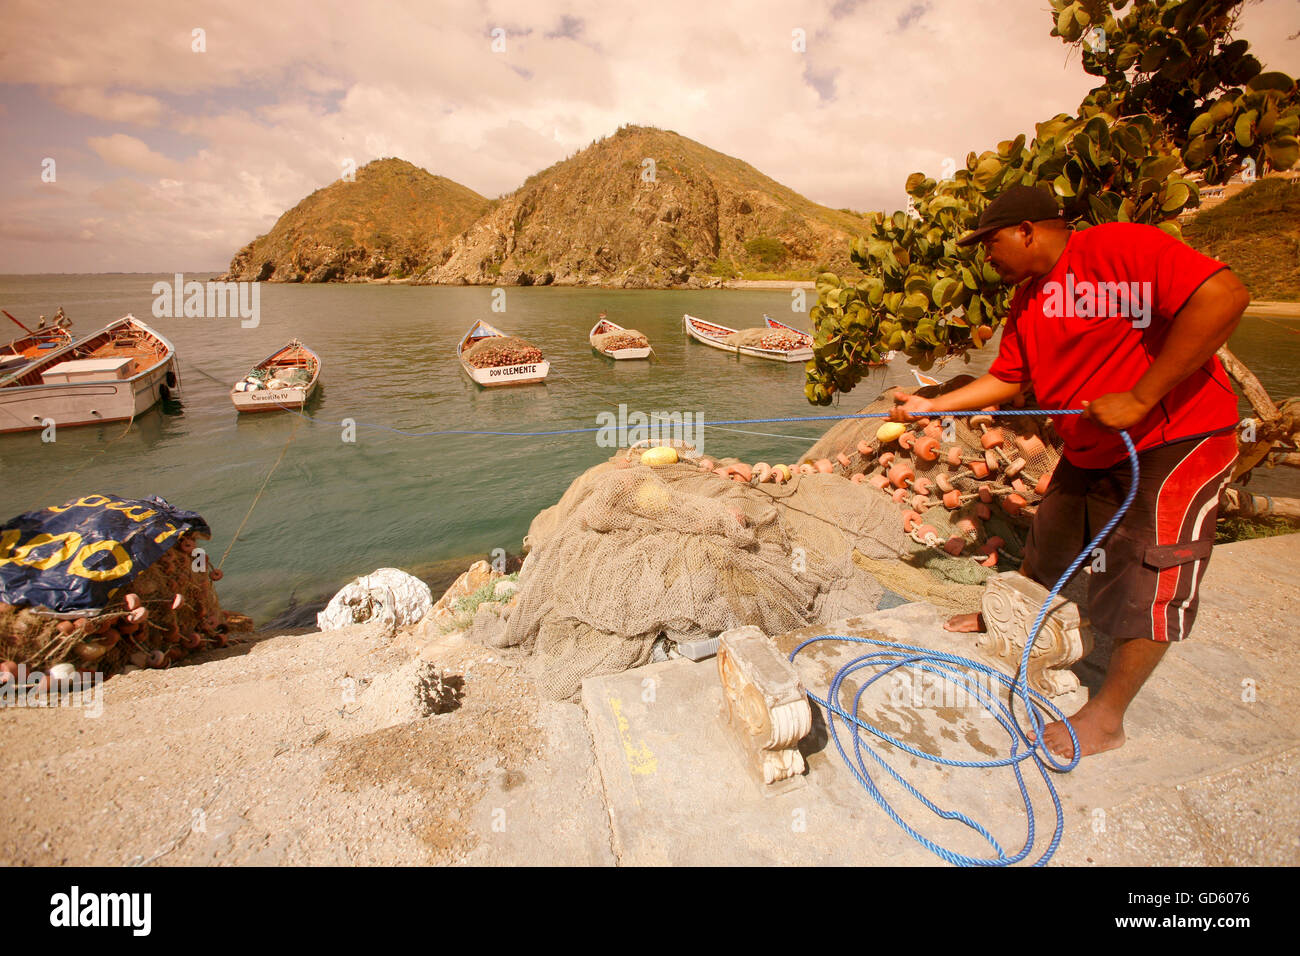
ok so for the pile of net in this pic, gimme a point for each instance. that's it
(162, 609)
(502, 350)
(623, 339)
(767, 339)
(632, 552)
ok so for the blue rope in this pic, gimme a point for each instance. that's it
(959, 670)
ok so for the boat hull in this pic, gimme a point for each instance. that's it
(604, 326)
(621, 354)
(31, 407)
(528, 374)
(272, 400)
(772, 355)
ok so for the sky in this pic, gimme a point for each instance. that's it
(175, 133)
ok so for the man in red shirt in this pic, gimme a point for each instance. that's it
(1121, 320)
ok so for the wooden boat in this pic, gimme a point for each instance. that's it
(523, 374)
(603, 327)
(111, 375)
(284, 379)
(28, 348)
(716, 335)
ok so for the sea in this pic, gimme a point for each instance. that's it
(361, 480)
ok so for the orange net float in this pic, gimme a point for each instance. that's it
(805, 468)
(906, 441)
(901, 474)
(1012, 503)
(979, 468)
(983, 511)
(991, 438)
(1014, 468)
(910, 520)
(824, 466)
(921, 485)
(706, 464)
(991, 460)
(878, 481)
(989, 560)
(952, 500)
(845, 461)
(858, 478)
(1030, 445)
(986, 494)
(955, 545)
(1019, 486)
(927, 533)
(934, 430)
(927, 448)
(954, 456)
(887, 459)
(920, 503)
(1044, 483)
(944, 482)
(865, 449)
(968, 525)
(898, 496)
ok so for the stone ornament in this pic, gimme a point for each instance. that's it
(1011, 603)
(765, 703)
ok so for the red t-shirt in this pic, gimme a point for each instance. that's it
(1097, 322)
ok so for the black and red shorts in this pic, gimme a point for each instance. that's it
(1144, 583)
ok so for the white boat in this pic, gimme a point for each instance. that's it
(774, 324)
(716, 335)
(604, 327)
(524, 373)
(111, 375)
(22, 351)
(285, 379)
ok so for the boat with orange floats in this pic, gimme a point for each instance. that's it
(779, 343)
(613, 341)
(111, 375)
(807, 339)
(285, 379)
(20, 352)
(491, 358)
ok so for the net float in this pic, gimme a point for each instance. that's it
(155, 658)
(926, 448)
(865, 448)
(910, 520)
(764, 472)
(878, 481)
(177, 601)
(952, 500)
(954, 456)
(174, 655)
(887, 459)
(921, 485)
(890, 431)
(721, 471)
(824, 466)
(992, 544)
(955, 545)
(858, 478)
(986, 494)
(65, 627)
(928, 534)
(132, 602)
(187, 544)
(761, 466)
(1012, 503)
(990, 560)
(844, 460)
(805, 468)
(979, 468)
(88, 653)
(944, 482)
(991, 460)
(7, 678)
(137, 615)
(991, 438)
(934, 430)
(906, 441)
(1043, 483)
(659, 455)
(920, 503)
(1014, 468)
(968, 525)
(192, 641)
(1030, 445)
(983, 511)
(706, 464)
(216, 574)
(221, 640)
(743, 470)
(901, 474)
(898, 495)
(1019, 486)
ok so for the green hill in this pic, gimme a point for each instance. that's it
(1256, 233)
(393, 220)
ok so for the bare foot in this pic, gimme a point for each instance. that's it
(965, 623)
(1097, 732)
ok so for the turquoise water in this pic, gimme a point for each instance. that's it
(333, 510)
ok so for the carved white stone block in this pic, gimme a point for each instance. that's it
(766, 707)
(1011, 603)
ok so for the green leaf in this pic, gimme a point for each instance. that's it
(1245, 135)
(1278, 82)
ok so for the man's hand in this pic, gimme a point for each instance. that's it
(1116, 411)
(909, 407)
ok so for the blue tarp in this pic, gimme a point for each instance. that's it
(83, 554)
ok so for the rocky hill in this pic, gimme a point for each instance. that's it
(394, 220)
(641, 208)
(1257, 233)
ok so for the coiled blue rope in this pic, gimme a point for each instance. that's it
(959, 670)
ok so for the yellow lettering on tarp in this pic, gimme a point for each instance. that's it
(70, 542)
(132, 511)
(78, 566)
(7, 541)
(90, 501)
(171, 530)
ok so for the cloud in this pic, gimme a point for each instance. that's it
(131, 153)
(115, 107)
(230, 138)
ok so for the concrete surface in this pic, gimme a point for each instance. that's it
(1208, 775)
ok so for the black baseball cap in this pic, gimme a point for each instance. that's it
(1013, 206)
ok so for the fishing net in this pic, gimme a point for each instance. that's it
(767, 339)
(631, 552)
(613, 341)
(182, 616)
(969, 506)
(502, 350)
